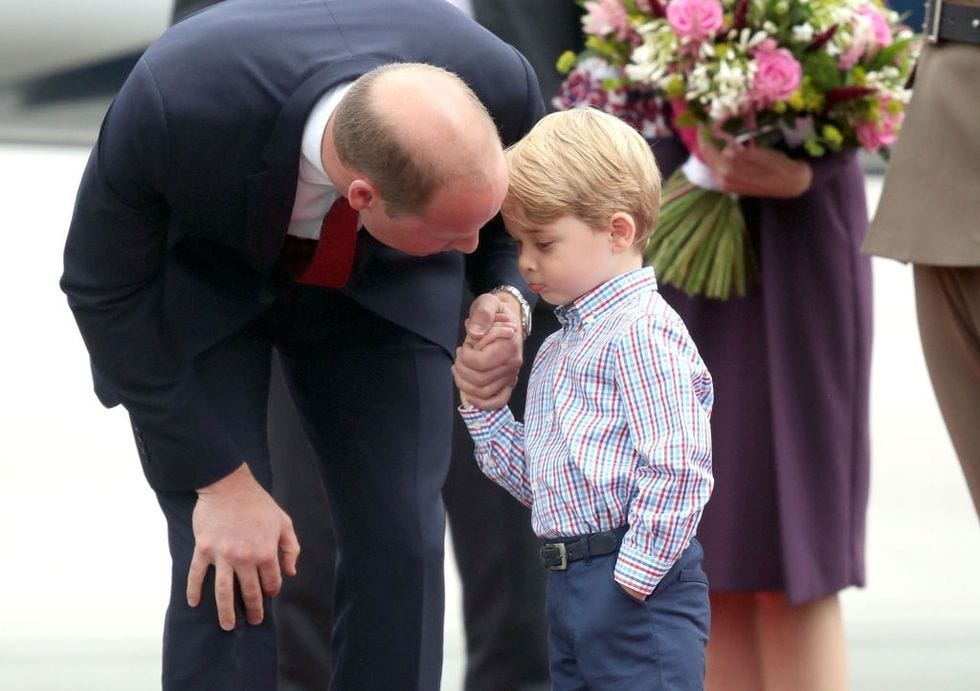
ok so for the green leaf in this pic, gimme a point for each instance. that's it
(823, 71)
(890, 55)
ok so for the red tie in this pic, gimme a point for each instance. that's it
(334, 254)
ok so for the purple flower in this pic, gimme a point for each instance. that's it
(590, 84)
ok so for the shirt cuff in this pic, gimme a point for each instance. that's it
(638, 570)
(483, 424)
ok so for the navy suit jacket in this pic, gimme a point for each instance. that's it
(184, 204)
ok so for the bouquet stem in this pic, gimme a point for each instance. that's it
(701, 245)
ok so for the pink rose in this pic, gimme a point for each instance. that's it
(874, 135)
(605, 17)
(869, 33)
(695, 20)
(880, 30)
(777, 74)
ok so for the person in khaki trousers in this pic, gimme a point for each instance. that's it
(929, 215)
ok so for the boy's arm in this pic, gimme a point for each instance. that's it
(499, 443)
(667, 395)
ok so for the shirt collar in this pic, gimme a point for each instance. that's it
(607, 296)
(312, 168)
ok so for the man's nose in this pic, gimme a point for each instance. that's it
(468, 244)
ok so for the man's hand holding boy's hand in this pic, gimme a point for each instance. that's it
(489, 360)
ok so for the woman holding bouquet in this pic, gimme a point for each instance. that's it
(758, 250)
(784, 531)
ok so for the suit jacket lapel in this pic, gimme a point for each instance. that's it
(271, 192)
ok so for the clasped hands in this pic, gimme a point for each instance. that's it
(489, 359)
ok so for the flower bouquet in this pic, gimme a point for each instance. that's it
(824, 75)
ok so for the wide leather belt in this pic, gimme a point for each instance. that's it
(958, 22)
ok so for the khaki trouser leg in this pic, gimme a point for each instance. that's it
(948, 305)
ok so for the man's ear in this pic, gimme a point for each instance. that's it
(361, 194)
(622, 231)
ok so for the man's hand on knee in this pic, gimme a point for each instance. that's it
(239, 528)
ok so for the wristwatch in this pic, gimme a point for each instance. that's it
(525, 308)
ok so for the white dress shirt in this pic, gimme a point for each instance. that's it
(314, 191)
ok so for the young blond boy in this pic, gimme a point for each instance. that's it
(614, 457)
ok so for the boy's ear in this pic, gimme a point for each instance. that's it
(622, 231)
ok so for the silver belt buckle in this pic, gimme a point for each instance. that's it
(562, 554)
(933, 17)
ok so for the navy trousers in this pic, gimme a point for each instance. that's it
(373, 400)
(602, 639)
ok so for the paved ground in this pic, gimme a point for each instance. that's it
(84, 548)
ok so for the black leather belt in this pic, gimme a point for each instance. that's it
(952, 21)
(558, 555)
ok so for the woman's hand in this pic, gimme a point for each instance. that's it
(754, 171)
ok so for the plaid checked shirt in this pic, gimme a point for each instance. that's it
(617, 429)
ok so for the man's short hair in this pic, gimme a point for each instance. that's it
(587, 164)
(367, 140)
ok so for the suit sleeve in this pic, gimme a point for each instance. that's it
(114, 263)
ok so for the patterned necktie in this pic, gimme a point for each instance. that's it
(334, 255)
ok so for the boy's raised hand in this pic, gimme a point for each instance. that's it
(489, 360)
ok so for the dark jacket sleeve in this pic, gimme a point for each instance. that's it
(113, 277)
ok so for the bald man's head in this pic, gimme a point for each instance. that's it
(411, 129)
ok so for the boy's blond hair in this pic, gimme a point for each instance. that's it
(587, 164)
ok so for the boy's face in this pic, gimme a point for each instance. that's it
(564, 259)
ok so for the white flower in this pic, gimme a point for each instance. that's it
(803, 33)
(656, 128)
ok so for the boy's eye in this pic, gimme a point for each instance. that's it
(543, 245)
